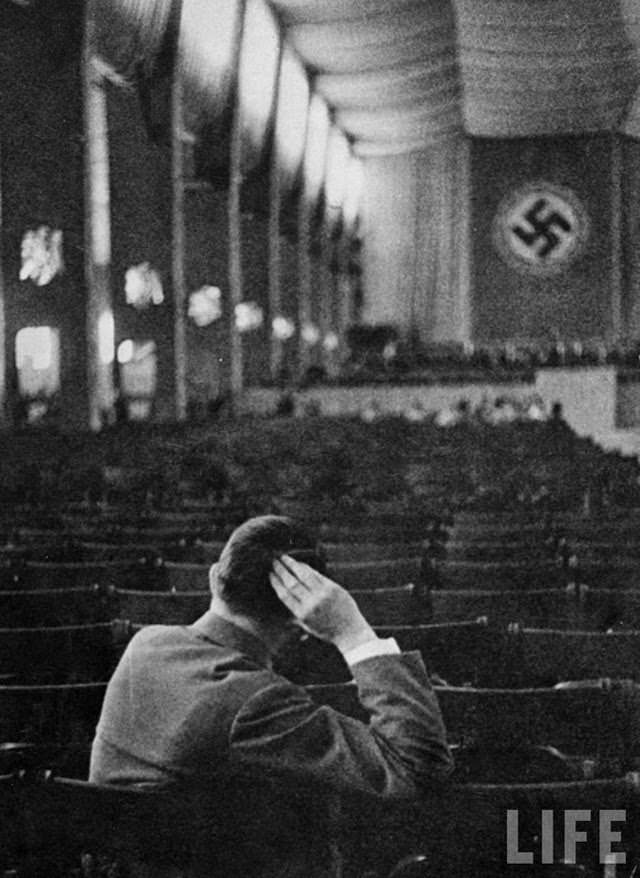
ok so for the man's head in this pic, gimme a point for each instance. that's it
(241, 576)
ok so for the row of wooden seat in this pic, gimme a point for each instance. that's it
(580, 608)
(148, 573)
(58, 826)
(459, 652)
(466, 653)
(594, 724)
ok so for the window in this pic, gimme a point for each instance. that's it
(37, 353)
(138, 365)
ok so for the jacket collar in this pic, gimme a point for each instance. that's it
(226, 633)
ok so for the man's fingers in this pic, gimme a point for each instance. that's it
(304, 574)
(286, 595)
(289, 576)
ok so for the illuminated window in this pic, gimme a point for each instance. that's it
(283, 328)
(257, 71)
(291, 117)
(41, 254)
(353, 191)
(205, 305)
(106, 338)
(139, 409)
(143, 286)
(37, 355)
(138, 362)
(125, 351)
(249, 316)
(338, 159)
(316, 145)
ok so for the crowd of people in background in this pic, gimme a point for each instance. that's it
(503, 409)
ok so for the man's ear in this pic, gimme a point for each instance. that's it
(213, 576)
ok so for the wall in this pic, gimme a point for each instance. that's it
(41, 149)
(588, 397)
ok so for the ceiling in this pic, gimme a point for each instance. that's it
(402, 74)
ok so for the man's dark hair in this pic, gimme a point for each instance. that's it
(241, 576)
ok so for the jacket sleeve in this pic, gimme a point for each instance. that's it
(401, 752)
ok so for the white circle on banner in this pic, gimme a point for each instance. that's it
(540, 228)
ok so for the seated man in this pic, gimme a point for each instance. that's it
(190, 705)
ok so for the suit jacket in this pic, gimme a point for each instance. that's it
(192, 705)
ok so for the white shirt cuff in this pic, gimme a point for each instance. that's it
(371, 649)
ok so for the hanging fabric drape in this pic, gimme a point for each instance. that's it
(388, 69)
(129, 34)
(400, 74)
(138, 41)
(291, 119)
(147, 42)
(257, 80)
(207, 52)
(559, 67)
(403, 75)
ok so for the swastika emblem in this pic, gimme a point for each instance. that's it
(541, 228)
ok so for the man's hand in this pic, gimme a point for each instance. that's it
(322, 606)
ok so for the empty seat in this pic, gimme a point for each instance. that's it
(458, 652)
(48, 575)
(477, 828)
(546, 657)
(533, 607)
(70, 759)
(184, 576)
(199, 552)
(603, 609)
(73, 826)
(52, 713)
(340, 553)
(53, 607)
(11, 576)
(616, 572)
(376, 574)
(64, 654)
(489, 575)
(589, 720)
(499, 550)
(406, 605)
(103, 551)
(161, 607)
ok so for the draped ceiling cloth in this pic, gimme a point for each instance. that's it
(403, 74)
